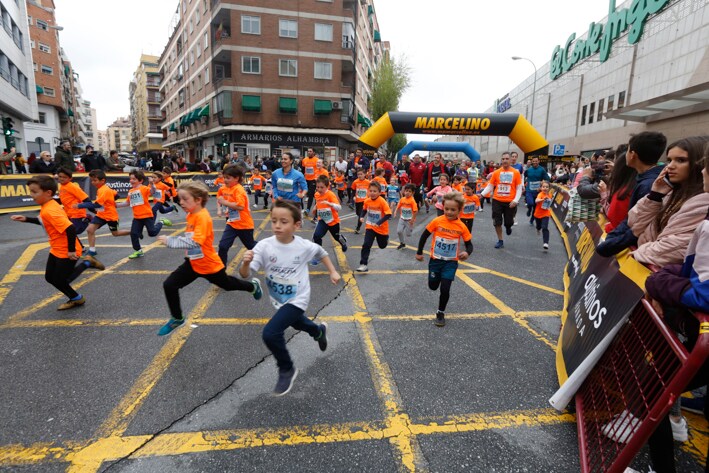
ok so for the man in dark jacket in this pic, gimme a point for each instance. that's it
(644, 151)
(43, 165)
(359, 162)
(63, 157)
(92, 160)
(434, 170)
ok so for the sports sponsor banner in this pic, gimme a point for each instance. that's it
(600, 293)
(14, 193)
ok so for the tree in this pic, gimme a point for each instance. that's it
(395, 144)
(392, 79)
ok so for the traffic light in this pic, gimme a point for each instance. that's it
(7, 125)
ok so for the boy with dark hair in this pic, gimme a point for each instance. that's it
(644, 151)
(105, 208)
(138, 201)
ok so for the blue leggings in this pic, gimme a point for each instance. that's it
(287, 316)
(228, 237)
(543, 225)
(136, 230)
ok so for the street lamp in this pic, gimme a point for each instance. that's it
(534, 89)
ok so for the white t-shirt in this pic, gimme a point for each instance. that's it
(341, 166)
(286, 268)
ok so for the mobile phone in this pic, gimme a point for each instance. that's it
(667, 181)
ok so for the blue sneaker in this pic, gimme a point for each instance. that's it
(343, 242)
(499, 244)
(258, 292)
(171, 325)
(285, 381)
(91, 253)
(322, 338)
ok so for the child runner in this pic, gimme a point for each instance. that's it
(65, 248)
(284, 258)
(268, 189)
(341, 185)
(393, 192)
(239, 222)
(160, 192)
(439, 191)
(379, 177)
(170, 182)
(219, 183)
(360, 187)
(108, 215)
(447, 231)
(327, 208)
(377, 213)
(470, 206)
(142, 212)
(201, 260)
(542, 212)
(458, 183)
(409, 208)
(69, 194)
(257, 182)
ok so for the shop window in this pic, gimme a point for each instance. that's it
(591, 112)
(600, 110)
(621, 99)
(583, 116)
(611, 99)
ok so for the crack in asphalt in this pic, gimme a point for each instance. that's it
(118, 461)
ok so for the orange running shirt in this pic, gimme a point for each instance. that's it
(539, 210)
(472, 202)
(376, 209)
(446, 236)
(237, 219)
(340, 183)
(70, 194)
(408, 207)
(219, 182)
(458, 187)
(161, 192)
(139, 203)
(505, 183)
(171, 184)
(257, 182)
(309, 165)
(324, 211)
(361, 188)
(106, 198)
(55, 223)
(204, 260)
(382, 183)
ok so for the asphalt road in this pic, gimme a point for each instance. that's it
(95, 388)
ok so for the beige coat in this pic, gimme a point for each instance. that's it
(670, 245)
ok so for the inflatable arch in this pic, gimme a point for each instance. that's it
(439, 146)
(513, 125)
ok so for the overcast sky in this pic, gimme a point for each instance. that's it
(459, 50)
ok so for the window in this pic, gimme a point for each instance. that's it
(323, 70)
(199, 82)
(206, 76)
(47, 70)
(199, 49)
(192, 57)
(621, 99)
(288, 28)
(49, 92)
(250, 24)
(42, 25)
(591, 112)
(348, 35)
(251, 64)
(32, 44)
(35, 66)
(583, 116)
(29, 20)
(192, 89)
(42, 118)
(44, 48)
(191, 26)
(600, 110)
(323, 32)
(610, 102)
(206, 41)
(180, 97)
(288, 67)
(197, 15)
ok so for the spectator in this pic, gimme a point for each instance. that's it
(644, 151)
(180, 164)
(92, 160)
(664, 220)
(615, 197)
(63, 157)
(205, 166)
(593, 175)
(43, 165)
(114, 164)
(387, 166)
(20, 164)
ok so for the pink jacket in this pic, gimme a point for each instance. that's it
(670, 245)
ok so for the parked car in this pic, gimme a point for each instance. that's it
(127, 159)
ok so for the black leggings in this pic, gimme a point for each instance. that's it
(311, 194)
(60, 272)
(445, 285)
(136, 230)
(358, 211)
(369, 236)
(321, 230)
(184, 275)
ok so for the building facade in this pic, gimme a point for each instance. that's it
(102, 140)
(18, 98)
(119, 135)
(146, 116)
(598, 89)
(266, 77)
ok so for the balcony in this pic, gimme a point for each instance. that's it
(224, 120)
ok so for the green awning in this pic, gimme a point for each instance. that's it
(183, 120)
(251, 103)
(204, 112)
(173, 127)
(377, 36)
(66, 70)
(364, 121)
(323, 107)
(40, 90)
(370, 10)
(288, 104)
(70, 112)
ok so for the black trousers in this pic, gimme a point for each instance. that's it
(500, 211)
(321, 230)
(60, 272)
(311, 194)
(184, 275)
(136, 229)
(369, 236)
(358, 211)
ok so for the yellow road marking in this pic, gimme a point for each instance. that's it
(18, 268)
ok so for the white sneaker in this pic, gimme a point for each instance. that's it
(621, 427)
(362, 268)
(255, 206)
(546, 246)
(680, 430)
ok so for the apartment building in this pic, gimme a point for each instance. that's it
(119, 135)
(266, 77)
(146, 116)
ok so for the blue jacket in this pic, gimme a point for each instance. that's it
(622, 236)
(290, 184)
(535, 175)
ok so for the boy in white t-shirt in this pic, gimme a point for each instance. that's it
(284, 258)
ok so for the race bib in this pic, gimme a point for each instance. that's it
(158, 195)
(281, 290)
(439, 198)
(256, 181)
(469, 208)
(285, 185)
(506, 177)
(326, 215)
(373, 216)
(361, 193)
(401, 172)
(393, 194)
(136, 198)
(233, 216)
(503, 189)
(407, 213)
(436, 180)
(382, 187)
(546, 203)
(309, 171)
(268, 186)
(193, 253)
(445, 248)
(534, 185)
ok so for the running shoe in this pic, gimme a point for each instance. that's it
(255, 206)
(285, 381)
(680, 430)
(401, 246)
(546, 246)
(91, 253)
(362, 268)
(499, 244)
(171, 325)
(343, 242)
(508, 230)
(79, 300)
(175, 209)
(136, 254)
(440, 319)
(258, 292)
(93, 262)
(356, 232)
(322, 338)
(166, 222)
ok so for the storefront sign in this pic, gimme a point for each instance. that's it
(503, 104)
(601, 37)
(286, 139)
